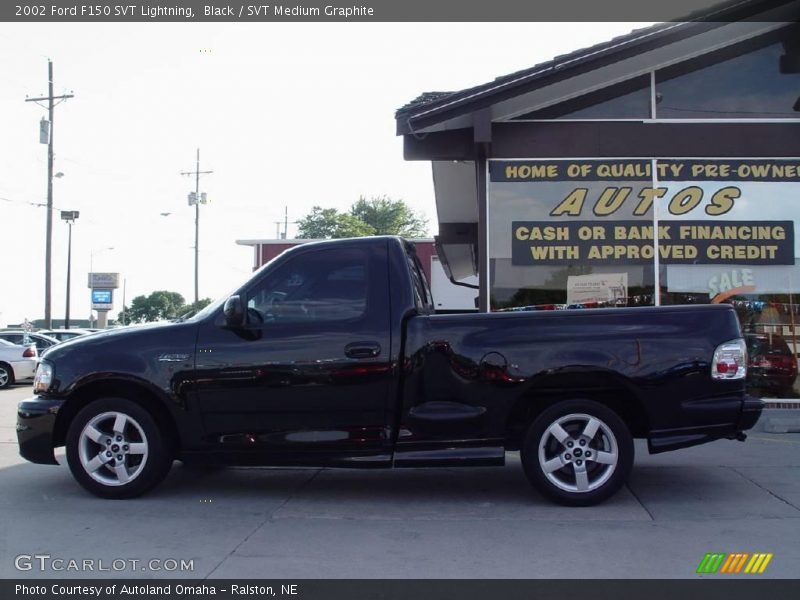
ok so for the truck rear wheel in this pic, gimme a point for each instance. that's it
(578, 453)
(115, 449)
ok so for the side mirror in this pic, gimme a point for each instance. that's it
(234, 312)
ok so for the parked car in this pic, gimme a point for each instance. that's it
(63, 335)
(17, 363)
(25, 338)
(772, 365)
(331, 355)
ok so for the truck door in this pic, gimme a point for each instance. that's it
(311, 369)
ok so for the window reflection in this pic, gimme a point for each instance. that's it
(726, 235)
(761, 83)
(627, 100)
(330, 287)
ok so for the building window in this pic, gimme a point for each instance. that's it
(756, 80)
(579, 234)
(627, 100)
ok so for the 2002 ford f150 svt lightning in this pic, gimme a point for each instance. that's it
(331, 355)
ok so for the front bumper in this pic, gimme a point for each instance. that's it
(36, 418)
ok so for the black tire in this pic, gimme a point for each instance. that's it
(145, 465)
(6, 375)
(563, 472)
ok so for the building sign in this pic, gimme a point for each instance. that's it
(102, 296)
(719, 281)
(642, 170)
(605, 288)
(104, 280)
(604, 211)
(603, 242)
(102, 299)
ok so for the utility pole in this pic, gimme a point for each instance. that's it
(196, 199)
(48, 317)
(285, 223)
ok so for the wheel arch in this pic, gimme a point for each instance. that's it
(121, 388)
(602, 387)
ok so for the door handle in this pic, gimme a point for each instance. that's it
(362, 350)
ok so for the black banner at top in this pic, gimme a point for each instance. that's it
(644, 170)
(392, 10)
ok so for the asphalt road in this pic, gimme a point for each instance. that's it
(423, 523)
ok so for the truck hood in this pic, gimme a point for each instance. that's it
(112, 339)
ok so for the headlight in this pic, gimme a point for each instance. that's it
(43, 378)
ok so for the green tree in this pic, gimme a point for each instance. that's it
(158, 306)
(389, 217)
(373, 216)
(320, 223)
(189, 309)
(350, 226)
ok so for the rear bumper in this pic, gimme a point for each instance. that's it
(751, 411)
(672, 439)
(36, 418)
(24, 369)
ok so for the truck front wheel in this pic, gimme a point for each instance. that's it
(115, 449)
(578, 453)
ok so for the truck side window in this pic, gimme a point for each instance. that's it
(317, 286)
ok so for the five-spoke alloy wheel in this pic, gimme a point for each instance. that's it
(578, 452)
(115, 449)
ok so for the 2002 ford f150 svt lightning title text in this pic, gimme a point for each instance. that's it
(331, 355)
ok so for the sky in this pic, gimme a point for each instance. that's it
(285, 114)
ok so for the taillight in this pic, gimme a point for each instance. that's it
(784, 362)
(30, 352)
(759, 361)
(730, 360)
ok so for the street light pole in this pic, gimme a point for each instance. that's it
(69, 216)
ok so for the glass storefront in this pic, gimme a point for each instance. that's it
(580, 233)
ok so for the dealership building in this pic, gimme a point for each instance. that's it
(551, 183)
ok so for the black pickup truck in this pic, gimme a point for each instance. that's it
(331, 355)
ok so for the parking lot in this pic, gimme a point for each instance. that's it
(469, 523)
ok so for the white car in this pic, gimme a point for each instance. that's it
(62, 335)
(17, 363)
